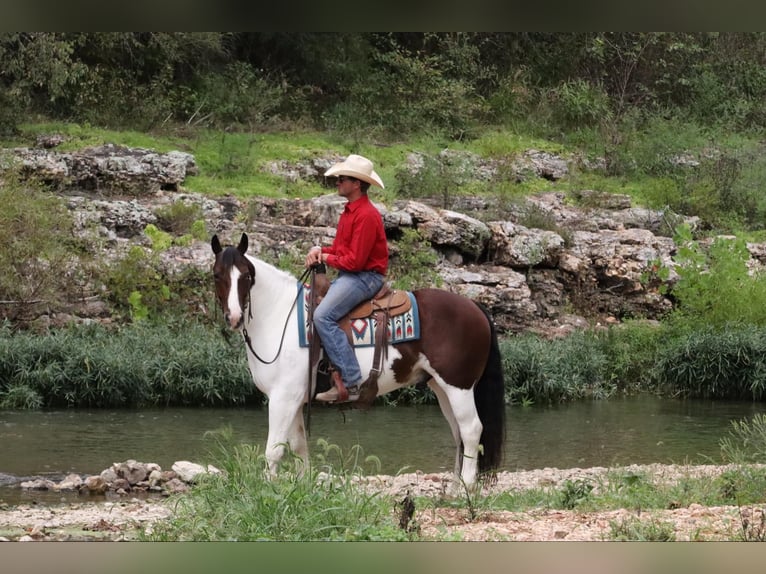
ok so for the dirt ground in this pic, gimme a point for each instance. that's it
(123, 519)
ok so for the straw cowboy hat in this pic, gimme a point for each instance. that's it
(358, 167)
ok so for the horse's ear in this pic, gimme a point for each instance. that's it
(216, 245)
(242, 247)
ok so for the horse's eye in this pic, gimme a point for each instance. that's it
(216, 276)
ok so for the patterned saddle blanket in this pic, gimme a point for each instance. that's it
(401, 327)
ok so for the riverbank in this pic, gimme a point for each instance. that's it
(126, 518)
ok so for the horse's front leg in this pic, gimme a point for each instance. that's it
(285, 430)
(297, 440)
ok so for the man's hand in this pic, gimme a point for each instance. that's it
(314, 256)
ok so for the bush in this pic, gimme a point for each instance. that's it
(746, 442)
(540, 371)
(324, 503)
(179, 217)
(715, 287)
(714, 364)
(136, 366)
(39, 258)
(407, 95)
(577, 103)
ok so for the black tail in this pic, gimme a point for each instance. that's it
(489, 395)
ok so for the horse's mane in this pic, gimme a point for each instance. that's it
(280, 274)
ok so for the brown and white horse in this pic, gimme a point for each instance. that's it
(457, 355)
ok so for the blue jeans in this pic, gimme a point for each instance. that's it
(345, 293)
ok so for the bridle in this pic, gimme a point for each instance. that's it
(249, 306)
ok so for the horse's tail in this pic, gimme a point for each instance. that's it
(489, 395)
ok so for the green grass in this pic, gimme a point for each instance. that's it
(327, 503)
(135, 366)
(323, 504)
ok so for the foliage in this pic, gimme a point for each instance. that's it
(713, 363)
(412, 262)
(578, 103)
(405, 94)
(140, 286)
(631, 350)
(746, 442)
(139, 365)
(560, 370)
(575, 492)
(621, 488)
(178, 217)
(36, 231)
(325, 502)
(436, 177)
(641, 530)
(715, 287)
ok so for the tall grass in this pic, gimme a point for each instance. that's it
(135, 366)
(324, 503)
(541, 371)
(190, 364)
(728, 363)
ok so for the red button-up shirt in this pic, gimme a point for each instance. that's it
(360, 239)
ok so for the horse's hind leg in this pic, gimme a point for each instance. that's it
(469, 426)
(446, 408)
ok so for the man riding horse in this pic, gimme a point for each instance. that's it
(360, 254)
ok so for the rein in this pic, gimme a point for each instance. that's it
(284, 329)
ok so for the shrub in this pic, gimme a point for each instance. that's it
(746, 442)
(554, 371)
(179, 217)
(39, 258)
(144, 364)
(326, 502)
(413, 262)
(713, 363)
(407, 95)
(578, 103)
(715, 286)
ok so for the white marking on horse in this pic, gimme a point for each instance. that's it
(235, 311)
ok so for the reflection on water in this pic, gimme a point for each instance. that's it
(605, 433)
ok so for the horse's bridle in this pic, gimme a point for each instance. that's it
(248, 341)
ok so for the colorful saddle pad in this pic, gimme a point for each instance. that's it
(401, 328)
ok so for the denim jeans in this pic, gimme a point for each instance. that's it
(345, 293)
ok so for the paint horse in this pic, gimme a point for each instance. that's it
(457, 355)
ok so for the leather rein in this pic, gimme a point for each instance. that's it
(248, 341)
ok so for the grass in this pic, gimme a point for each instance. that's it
(138, 365)
(328, 503)
(325, 503)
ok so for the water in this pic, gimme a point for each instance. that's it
(639, 430)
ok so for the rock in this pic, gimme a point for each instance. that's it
(132, 471)
(70, 482)
(108, 168)
(188, 471)
(96, 485)
(38, 484)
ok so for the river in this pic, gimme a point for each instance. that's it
(643, 429)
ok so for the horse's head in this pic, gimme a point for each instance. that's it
(234, 276)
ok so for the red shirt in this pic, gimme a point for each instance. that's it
(360, 239)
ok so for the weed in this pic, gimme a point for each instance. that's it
(323, 502)
(575, 492)
(635, 529)
(753, 523)
(179, 217)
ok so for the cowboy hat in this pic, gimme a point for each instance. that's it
(358, 167)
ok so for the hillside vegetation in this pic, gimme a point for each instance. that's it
(675, 120)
